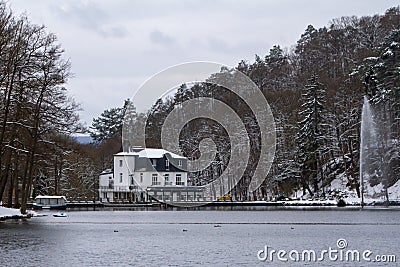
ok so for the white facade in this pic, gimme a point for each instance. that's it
(135, 173)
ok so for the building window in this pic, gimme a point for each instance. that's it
(132, 181)
(167, 164)
(178, 180)
(141, 177)
(154, 162)
(120, 177)
(154, 179)
(166, 179)
(180, 163)
(120, 162)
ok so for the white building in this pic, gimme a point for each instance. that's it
(139, 175)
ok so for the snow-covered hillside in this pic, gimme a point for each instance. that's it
(372, 195)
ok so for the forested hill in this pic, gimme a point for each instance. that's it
(315, 90)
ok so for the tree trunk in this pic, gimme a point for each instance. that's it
(13, 62)
(10, 186)
(16, 184)
(24, 187)
(56, 177)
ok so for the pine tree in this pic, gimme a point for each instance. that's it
(310, 137)
(382, 83)
(108, 125)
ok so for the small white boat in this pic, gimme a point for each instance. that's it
(60, 214)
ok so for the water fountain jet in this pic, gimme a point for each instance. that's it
(371, 159)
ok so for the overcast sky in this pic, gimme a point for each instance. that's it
(114, 46)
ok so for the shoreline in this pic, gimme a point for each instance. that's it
(12, 214)
(260, 203)
(15, 214)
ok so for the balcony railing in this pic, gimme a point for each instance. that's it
(105, 187)
(118, 188)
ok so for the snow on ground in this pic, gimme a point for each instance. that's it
(372, 195)
(9, 213)
(326, 202)
(394, 191)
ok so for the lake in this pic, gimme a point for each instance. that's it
(202, 237)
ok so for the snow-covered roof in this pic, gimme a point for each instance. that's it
(150, 153)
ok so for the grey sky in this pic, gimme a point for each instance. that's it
(114, 46)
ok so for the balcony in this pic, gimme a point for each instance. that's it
(122, 188)
(105, 189)
(117, 188)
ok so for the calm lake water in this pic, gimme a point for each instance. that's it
(218, 237)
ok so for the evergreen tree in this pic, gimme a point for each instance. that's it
(382, 79)
(108, 125)
(382, 83)
(310, 136)
(110, 122)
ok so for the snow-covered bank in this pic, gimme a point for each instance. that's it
(394, 191)
(338, 189)
(7, 213)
